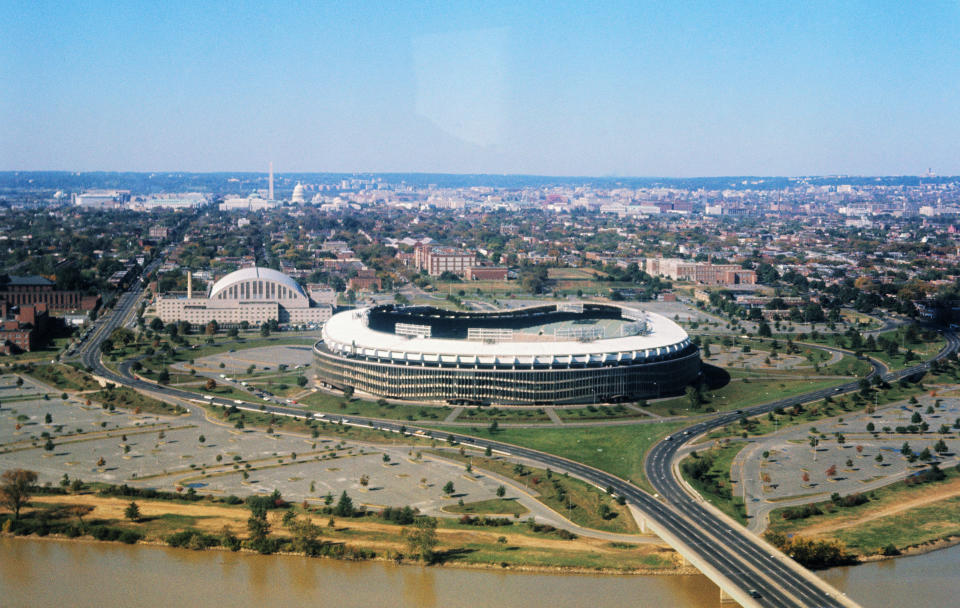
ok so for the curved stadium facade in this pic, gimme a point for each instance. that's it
(552, 354)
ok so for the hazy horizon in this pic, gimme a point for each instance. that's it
(862, 88)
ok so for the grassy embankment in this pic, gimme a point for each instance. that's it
(64, 377)
(899, 515)
(740, 393)
(200, 523)
(576, 500)
(708, 471)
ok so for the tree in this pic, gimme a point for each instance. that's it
(48, 446)
(501, 491)
(422, 538)
(264, 330)
(15, 489)
(211, 384)
(344, 506)
(364, 480)
(156, 324)
(305, 534)
(763, 330)
(348, 392)
(132, 512)
(448, 488)
(48, 418)
(163, 377)
(212, 328)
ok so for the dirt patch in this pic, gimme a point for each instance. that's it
(921, 498)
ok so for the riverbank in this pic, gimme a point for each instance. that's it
(472, 541)
(93, 574)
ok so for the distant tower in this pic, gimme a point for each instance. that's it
(189, 284)
(270, 196)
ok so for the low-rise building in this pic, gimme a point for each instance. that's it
(255, 295)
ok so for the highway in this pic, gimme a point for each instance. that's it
(745, 567)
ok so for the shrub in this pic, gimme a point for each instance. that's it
(130, 537)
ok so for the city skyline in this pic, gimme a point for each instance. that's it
(860, 89)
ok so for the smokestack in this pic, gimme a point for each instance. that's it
(270, 197)
(189, 284)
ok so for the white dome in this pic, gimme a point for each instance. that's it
(297, 193)
(245, 274)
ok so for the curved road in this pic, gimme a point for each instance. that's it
(748, 570)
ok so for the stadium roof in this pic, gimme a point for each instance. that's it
(348, 330)
(255, 272)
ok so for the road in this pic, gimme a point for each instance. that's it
(662, 475)
(745, 567)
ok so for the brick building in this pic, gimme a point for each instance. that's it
(30, 290)
(437, 260)
(366, 280)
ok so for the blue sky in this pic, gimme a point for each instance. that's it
(632, 89)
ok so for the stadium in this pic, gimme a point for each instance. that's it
(544, 355)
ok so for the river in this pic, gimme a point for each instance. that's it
(40, 573)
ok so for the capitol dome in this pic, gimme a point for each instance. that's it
(297, 193)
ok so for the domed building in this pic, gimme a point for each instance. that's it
(255, 295)
(297, 194)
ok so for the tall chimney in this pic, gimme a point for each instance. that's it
(270, 196)
(189, 284)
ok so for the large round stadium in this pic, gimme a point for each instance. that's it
(544, 355)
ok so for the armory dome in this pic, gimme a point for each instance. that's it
(257, 284)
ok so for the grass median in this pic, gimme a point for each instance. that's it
(617, 449)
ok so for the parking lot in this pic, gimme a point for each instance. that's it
(180, 452)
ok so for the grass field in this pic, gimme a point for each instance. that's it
(740, 393)
(338, 404)
(925, 347)
(617, 449)
(492, 506)
(64, 377)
